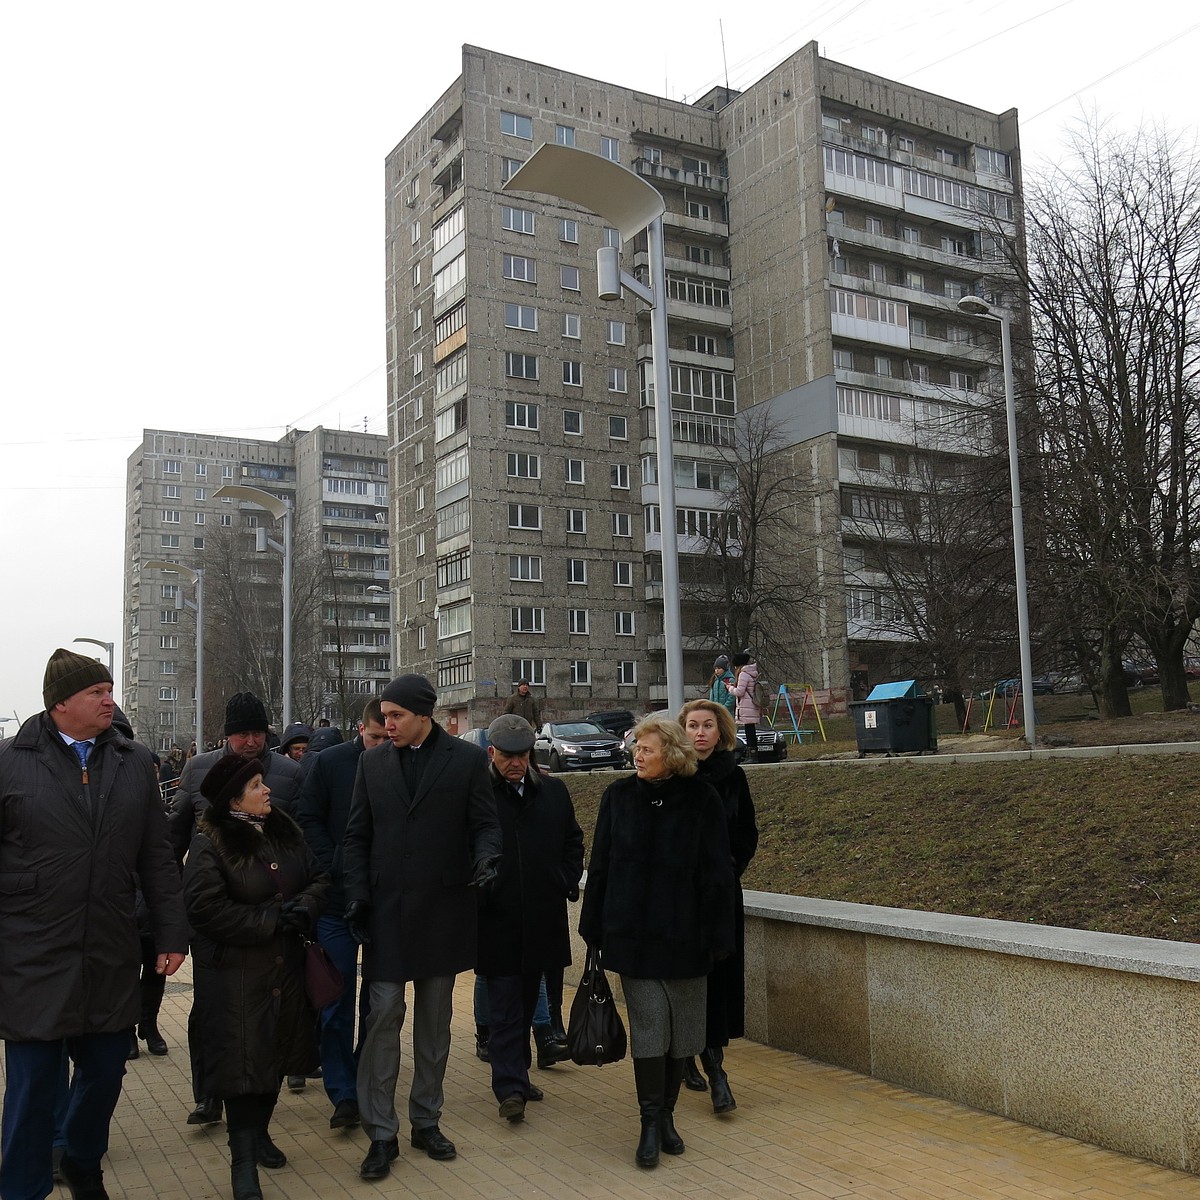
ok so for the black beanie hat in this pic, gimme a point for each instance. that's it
(225, 779)
(244, 714)
(68, 673)
(413, 692)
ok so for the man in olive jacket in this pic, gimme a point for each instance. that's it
(422, 836)
(80, 823)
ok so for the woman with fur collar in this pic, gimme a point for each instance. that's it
(253, 889)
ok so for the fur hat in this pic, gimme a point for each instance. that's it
(226, 778)
(68, 673)
(412, 692)
(245, 714)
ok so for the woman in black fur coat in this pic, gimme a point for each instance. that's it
(253, 889)
(713, 734)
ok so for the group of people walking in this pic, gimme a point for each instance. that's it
(405, 845)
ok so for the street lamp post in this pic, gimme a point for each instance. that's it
(977, 307)
(104, 645)
(630, 204)
(196, 578)
(281, 510)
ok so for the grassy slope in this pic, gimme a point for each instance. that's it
(1110, 844)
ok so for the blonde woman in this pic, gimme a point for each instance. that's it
(659, 904)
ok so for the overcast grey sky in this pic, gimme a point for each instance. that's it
(192, 209)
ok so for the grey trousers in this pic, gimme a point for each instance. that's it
(379, 1062)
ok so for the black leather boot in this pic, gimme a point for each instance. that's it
(243, 1170)
(668, 1137)
(722, 1098)
(482, 1033)
(692, 1078)
(155, 1042)
(269, 1154)
(649, 1077)
(556, 1023)
(549, 1050)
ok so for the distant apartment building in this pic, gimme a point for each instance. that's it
(336, 483)
(820, 229)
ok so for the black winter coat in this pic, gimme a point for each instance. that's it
(659, 900)
(251, 1022)
(523, 926)
(726, 1013)
(323, 808)
(412, 857)
(69, 949)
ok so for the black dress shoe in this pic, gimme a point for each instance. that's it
(207, 1112)
(381, 1155)
(533, 1092)
(512, 1108)
(296, 1083)
(133, 1051)
(345, 1114)
(434, 1142)
(84, 1183)
(269, 1155)
(153, 1039)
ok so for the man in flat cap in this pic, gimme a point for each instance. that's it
(422, 839)
(523, 930)
(246, 737)
(81, 824)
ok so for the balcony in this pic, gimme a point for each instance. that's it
(681, 223)
(676, 176)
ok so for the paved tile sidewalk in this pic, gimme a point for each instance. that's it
(802, 1129)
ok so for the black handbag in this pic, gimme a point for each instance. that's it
(595, 1032)
(322, 980)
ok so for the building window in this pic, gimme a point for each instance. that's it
(172, 466)
(170, 591)
(524, 270)
(170, 516)
(172, 491)
(577, 520)
(577, 621)
(610, 148)
(993, 162)
(843, 360)
(420, 591)
(450, 276)
(415, 232)
(201, 495)
(577, 570)
(449, 227)
(521, 316)
(418, 363)
(564, 135)
(532, 669)
(698, 166)
(883, 365)
(227, 472)
(199, 517)
(614, 332)
(622, 526)
(524, 466)
(572, 421)
(877, 272)
(575, 470)
(421, 637)
(619, 475)
(906, 145)
(618, 379)
(454, 620)
(618, 428)
(610, 238)
(622, 574)
(417, 320)
(623, 624)
(520, 366)
(523, 619)
(910, 234)
(517, 220)
(626, 674)
(169, 541)
(569, 278)
(167, 668)
(524, 516)
(962, 382)
(699, 254)
(581, 672)
(226, 520)
(416, 275)
(168, 641)
(449, 421)
(516, 125)
(201, 470)
(520, 416)
(572, 373)
(696, 209)
(875, 226)
(568, 230)
(168, 693)
(571, 327)
(452, 519)
(419, 551)
(944, 155)
(168, 616)
(525, 567)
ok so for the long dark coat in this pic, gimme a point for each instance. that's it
(523, 926)
(726, 1017)
(659, 899)
(412, 857)
(251, 1022)
(69, 949)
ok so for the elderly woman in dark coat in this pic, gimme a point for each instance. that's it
(659, 905)
(253, 888)
(710, 728)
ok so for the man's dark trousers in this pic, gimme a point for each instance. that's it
(511, 1001)
(33, 1070)
(339, 1059)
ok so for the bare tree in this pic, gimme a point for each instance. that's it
(1113, 278)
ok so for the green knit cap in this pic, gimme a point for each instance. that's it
(68, 673)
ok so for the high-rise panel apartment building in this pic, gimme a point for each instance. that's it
(336, 482)
(820, 229)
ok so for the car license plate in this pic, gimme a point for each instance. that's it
(600, 754)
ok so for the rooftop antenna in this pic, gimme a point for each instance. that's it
(724, 58)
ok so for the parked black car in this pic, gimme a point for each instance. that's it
(576, 746)
(615, 720)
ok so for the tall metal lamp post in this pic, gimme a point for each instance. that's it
(977, 307)
(630, 204)
(196, 578)
(109, 646)
(281, 510)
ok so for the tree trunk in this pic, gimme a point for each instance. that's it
(1110, 691)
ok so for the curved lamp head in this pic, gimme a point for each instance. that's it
(236, 491)
(975, 306)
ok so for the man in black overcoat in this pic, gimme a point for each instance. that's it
(523, 928)
(422, 837)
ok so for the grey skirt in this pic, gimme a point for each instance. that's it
(666, 1016)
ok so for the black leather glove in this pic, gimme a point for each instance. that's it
(293, 916)
(487, 870)
(357, 916)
